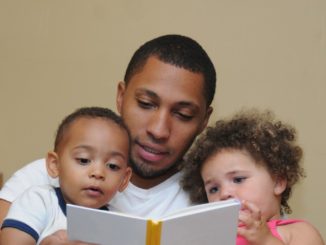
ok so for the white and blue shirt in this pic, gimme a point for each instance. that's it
(40, 211)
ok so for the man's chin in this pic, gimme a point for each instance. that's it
(146, 172)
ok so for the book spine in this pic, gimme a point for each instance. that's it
(153, 232)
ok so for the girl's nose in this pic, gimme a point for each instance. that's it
(226, 193)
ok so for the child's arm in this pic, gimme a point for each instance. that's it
(12, 236)
(60, 238)
(255, 230)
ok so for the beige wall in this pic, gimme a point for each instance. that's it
(58, 55)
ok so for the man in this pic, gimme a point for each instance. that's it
(165, 101)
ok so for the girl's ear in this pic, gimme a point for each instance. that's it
(52, 164)
(126, 179)
(280, 185)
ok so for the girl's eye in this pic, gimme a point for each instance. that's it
(213, 190)
(239, 180)
(112, 166)
(83, 161)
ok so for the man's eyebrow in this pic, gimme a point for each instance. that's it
(154, 95)
(148, 92)
(188, 104)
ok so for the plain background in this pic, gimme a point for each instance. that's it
(58, 55)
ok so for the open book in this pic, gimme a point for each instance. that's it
(204, 224)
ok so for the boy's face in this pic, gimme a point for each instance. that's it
(234, 174)
(164, 109)
(91, 162)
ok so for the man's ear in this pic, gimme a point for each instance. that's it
(120, 94)
(52, 164)
(280, 186)
(206, 119)
(126, 179)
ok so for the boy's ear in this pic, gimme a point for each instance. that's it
(126, 179)
(52, 164)
(280, 185)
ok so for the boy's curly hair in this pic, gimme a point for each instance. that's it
(271, 143)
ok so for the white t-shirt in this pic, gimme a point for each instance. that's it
(30, 212)
(39, 211)
(160, 200)
(153, 203)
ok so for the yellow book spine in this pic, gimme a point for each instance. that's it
(153, 233)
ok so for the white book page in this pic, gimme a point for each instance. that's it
(201, 208)
(206, 224)
(104, 227)
(215, 227)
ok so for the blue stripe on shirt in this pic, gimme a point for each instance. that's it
(11, 223)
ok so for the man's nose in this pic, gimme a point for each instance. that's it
(159, 126)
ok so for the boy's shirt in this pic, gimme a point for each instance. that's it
(160, 200)
(39, 211)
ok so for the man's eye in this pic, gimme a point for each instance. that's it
(184, 117)
(83, 161)
(239, 180)
(145, 104)
(113, 166)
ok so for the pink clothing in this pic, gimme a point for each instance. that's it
(273, 224)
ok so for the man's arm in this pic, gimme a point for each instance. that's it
(32, 174)
(4, 207)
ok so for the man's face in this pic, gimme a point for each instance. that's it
(165, 109)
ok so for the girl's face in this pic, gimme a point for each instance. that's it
(234, 173)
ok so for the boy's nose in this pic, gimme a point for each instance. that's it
(97, 172)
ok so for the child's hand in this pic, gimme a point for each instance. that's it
(60, 238)
(252, 226)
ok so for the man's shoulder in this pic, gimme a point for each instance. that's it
(39, 165)
(34, 173)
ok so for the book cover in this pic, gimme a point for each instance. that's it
(204, 224)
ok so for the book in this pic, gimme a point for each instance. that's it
(203, 224)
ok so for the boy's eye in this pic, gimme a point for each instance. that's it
(83, 161)
(113, 166)
(238, 180)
